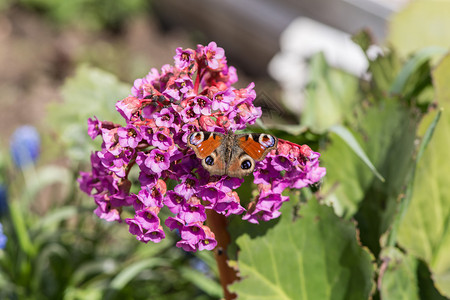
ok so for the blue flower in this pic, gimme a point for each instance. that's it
(24, 146)
(3, 238)
(3, 199)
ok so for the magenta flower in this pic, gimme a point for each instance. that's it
(128, 106)
(162, 139)
(209, 242)
(202, 105)
(222, 100)
(158, 161)
(192, 233)
(129, 136)
(196, 94)
(150, 197)
(105, 210)
(164, 118)
(148, 218)
(184, 58)
(192, 211)
(213, 54)
(189, 115)
(179, 89)
(94, 127)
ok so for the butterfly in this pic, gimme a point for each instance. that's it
(231, 154)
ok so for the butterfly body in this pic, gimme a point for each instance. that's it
(231, 154)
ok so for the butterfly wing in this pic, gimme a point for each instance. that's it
(257, 145)
(246, 149)
(210, 148)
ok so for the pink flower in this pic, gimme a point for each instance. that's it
(213, 55)
(222, 100)
(196, 94)
(184, 58)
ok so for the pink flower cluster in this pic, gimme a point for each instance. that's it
(195, 94)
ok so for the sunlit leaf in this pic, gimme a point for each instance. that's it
(348, 137)
(425, 229)
(316, 256)
(413, 65)
(398, 276)
(386, 132)
(420, 24)
(330, 96)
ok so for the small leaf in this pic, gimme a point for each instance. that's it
(364, 39)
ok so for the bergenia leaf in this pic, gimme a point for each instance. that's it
(348, 137)
(317, 256)
(425, 229)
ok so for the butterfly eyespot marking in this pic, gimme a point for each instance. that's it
(209, 160)
(266, 140)
(246, 164)
(196, 138)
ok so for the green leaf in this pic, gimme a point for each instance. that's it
(427, 289)
(330, 95)
(404, 203)
(21, 229)
(200, 280)
(364, 39)
(384, 69)
(131, 271)
(315, 257)
(420, 24)
(348, 137)
(425, 230)
(386, 131)
(54, 217)
(89, 269)
(413, 65)
(398, 276)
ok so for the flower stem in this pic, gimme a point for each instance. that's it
(218, 225)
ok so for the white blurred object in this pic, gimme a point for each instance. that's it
(303, 38)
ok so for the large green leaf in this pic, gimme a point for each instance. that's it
(317, 256)
(421, 24)
(384, 125)
(386, 132)
(425, 230)
(330, 96)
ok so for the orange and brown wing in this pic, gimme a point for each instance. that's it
(257, 145)
(204, 143)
